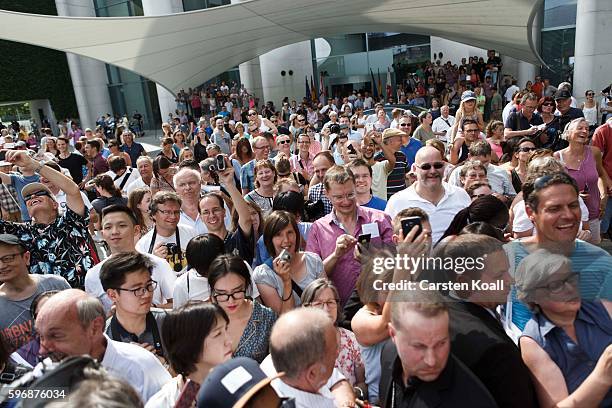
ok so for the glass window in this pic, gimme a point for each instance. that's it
(557, 48)
(559, 13)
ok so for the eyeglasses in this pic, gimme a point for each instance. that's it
(6, 259)
(405, 125)
(558, 285)
(526, 149)
(252, 113)
(262, 147)
(471, 131)
(590, 94)
(328, 303)
(140, 292)
(304, 142)
(301, 120)
(428, 166)
(283, 142)
(224, 297)
(349, 196)
(169, 212)
(40, 193)
(548, 104)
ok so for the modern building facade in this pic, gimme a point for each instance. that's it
(566, 31)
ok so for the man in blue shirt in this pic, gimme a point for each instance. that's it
(410, 146)
(363, 185)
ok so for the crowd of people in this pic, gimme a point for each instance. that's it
(253, 259)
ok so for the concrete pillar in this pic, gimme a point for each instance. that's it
(593, 48)
(250, 76)
(45, 106)
(89, 77)
(294, 57)
(167, 100)
(526, 72)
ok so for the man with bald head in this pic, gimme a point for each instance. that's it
(71, 323)
(439, 200)
(303, 345)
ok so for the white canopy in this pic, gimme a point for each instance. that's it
(186, 49)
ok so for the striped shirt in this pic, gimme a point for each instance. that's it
(396, 180)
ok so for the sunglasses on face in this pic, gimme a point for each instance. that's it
(35, 194)
(590, 94)
(405, 124)
(548, 104)
(428, 166)
(280, 142)
(526, 149)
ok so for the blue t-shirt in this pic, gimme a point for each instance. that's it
(592, 263)
(410, 150)
(376, 203)
(19, 182)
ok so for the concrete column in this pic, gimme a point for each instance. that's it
(526, 72)
(593, 48)
(167, 100)
(89, 77)
(295, 57)
(45, 106)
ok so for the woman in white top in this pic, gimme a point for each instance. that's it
(282, 278)
(590, 109)
(193, 349)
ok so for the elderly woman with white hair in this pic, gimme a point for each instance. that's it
(566, 344)
(584, 163)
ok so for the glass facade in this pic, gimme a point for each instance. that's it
(191, 5)
(557, 40)
(128, 91)
(355, 58)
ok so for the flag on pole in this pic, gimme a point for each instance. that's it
(380, 92)
(308, 94)
(313, 90)
(389, 90)
(374, 87)
(322, 92)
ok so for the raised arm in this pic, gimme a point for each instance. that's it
(74, 201)
(226, 178)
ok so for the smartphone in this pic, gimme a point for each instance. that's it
(188, 395)
(409, 223)
(364, 240)
(220, 162)
(285, 256)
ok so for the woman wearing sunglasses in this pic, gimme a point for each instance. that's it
(590, 109)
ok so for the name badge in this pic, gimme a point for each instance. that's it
(371, 228)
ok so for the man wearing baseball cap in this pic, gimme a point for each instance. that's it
(565, 114)
(57, 244)
(238, 383)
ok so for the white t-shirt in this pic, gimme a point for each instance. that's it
(323, 399)
(441, 215)
(137, 366)
(439, 125)
(162, 274)
(185, 235)
(61, 200)
(510, 91)
(379, 179)
(131, 173)
(139, 182)
(193, 286)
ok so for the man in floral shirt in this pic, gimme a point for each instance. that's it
(59, 245)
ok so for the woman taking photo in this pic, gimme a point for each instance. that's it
(265, 177)
(282, 278)
(192, 350)
(322, 294)
(138, 202)
(162, 175)
(250, 323)
(584, 163)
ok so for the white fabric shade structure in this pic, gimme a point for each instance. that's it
(186, 49)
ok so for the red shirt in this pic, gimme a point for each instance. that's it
(537, 89)
(603, 139)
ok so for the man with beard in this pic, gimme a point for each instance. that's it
(71, 323)
(440, 200)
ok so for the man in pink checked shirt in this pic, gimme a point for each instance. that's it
(334, 236)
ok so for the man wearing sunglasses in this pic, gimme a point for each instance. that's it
(57, 244)
(441, 201)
